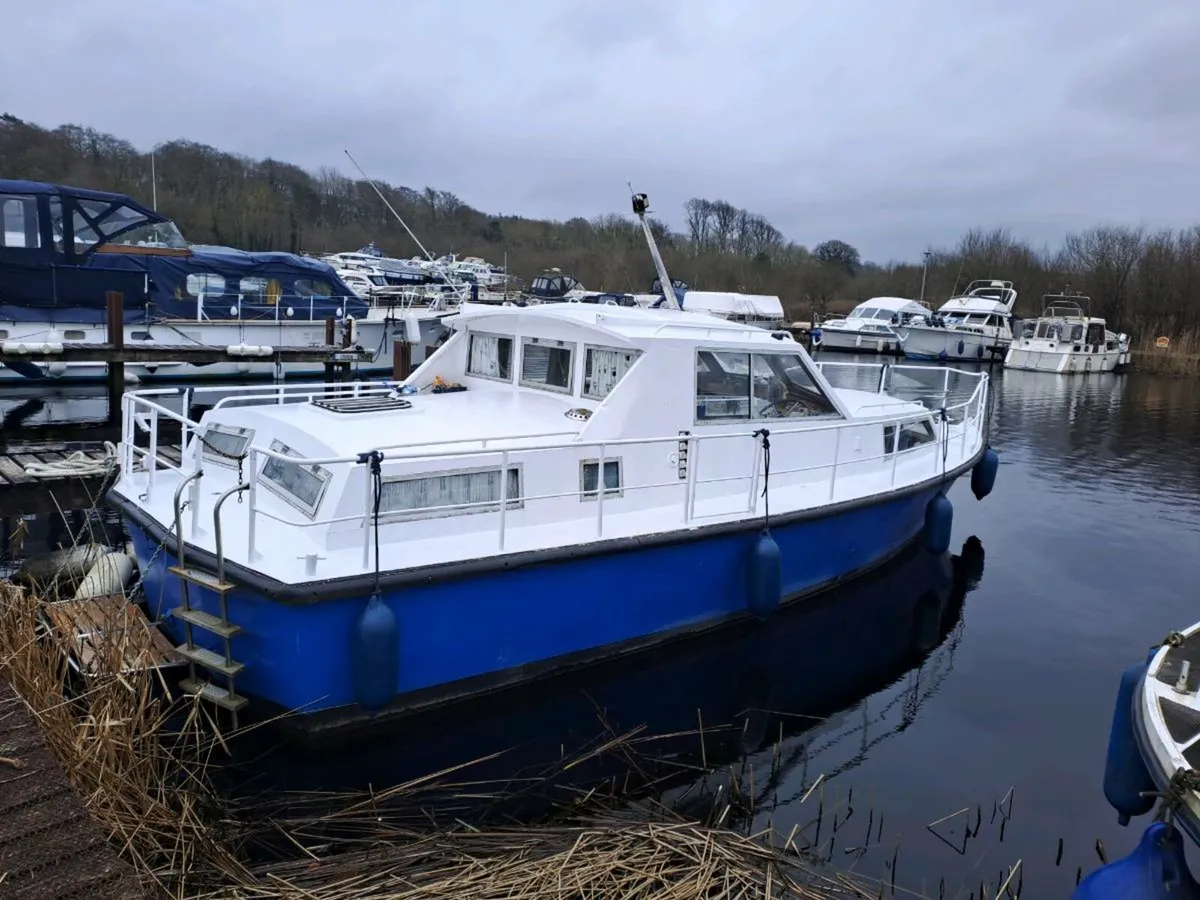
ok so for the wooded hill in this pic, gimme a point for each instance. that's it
(1144, 283)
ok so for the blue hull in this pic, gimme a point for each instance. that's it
(466, 634)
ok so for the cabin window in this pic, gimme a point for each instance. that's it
(1095, 333)
(225, 444)
(603, 369)
(139, 335)
(490, 356)
(74, 334)
(301, 485)
(449, 493)
(205, 283)
(589, 475)
(313, 287)
(19, 223)
(546, 364)
(253, 288)
(784, 388)
(912, 434)
(722, 385)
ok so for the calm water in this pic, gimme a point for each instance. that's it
(982, 682)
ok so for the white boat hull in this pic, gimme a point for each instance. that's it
(375, 334)
(853, 341)
(923, 342)
(1066, 362)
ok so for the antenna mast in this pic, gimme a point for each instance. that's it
(641, 206)
(392, 209)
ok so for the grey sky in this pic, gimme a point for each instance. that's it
(892, 124)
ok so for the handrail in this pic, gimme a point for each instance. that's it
(967, 427)
(236, 489)
(183, 482)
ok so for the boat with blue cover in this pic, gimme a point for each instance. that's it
(63, 249)
(557, 484)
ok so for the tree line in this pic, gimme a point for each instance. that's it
(1144, 282)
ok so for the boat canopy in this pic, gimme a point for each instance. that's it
(62, 249)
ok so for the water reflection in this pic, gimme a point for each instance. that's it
(794, 688)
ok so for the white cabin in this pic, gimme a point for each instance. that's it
(667, 401)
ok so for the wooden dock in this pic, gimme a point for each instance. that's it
(22, 493)
(50, 847)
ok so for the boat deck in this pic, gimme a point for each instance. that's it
(50, 847)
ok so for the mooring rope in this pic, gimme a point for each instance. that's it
(78, 464)
(374, 459)
(765, 435)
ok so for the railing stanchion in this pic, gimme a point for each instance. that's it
(368, 504)
(152, 457)
(600, 493)
(252, 500)
(895, 449)
(754, 467)
(689, 505)
(503, 495)
(837, 451)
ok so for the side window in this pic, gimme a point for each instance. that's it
(722, 386)
(1095, 333)
(19, 221)
(205, 283)
(912, 434)
(784, 388)
(589, 476)
(313, 287)
(302, 485)
(224, 444)
(450, 493)
(547, 364)
(490, 356)
(603, 369)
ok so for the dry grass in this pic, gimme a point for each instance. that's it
(1181, 358)
(142, 765)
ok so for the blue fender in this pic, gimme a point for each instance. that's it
(375, 655)
(1155, 870)
(765, 583)
(983, 476)
(1126, 777)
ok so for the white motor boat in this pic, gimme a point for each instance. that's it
(870, 327)
(970, 326)
(1067, 339)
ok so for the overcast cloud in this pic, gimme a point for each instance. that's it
(892, 124)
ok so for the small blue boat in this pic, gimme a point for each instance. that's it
(558, 484)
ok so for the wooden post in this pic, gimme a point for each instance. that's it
(401, 360)
(114, 309)
(329, 341)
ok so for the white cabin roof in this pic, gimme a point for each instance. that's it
(974, 305)
(892, 304)
(629, 324)
(763, 306)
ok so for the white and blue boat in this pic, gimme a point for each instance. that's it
(557, 484)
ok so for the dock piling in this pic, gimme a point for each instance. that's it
(115, 318)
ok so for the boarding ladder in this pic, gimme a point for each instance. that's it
(214, 664)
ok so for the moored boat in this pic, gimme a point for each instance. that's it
(1067, 339)
(971, 326)
(512, 508)
(63, 249)
(870, 327)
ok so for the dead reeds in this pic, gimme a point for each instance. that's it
(1180, 358)
(141, 761)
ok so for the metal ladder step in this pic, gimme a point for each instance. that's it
(207, 621)
(202, 578)
(213, 693)
(214, 661)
